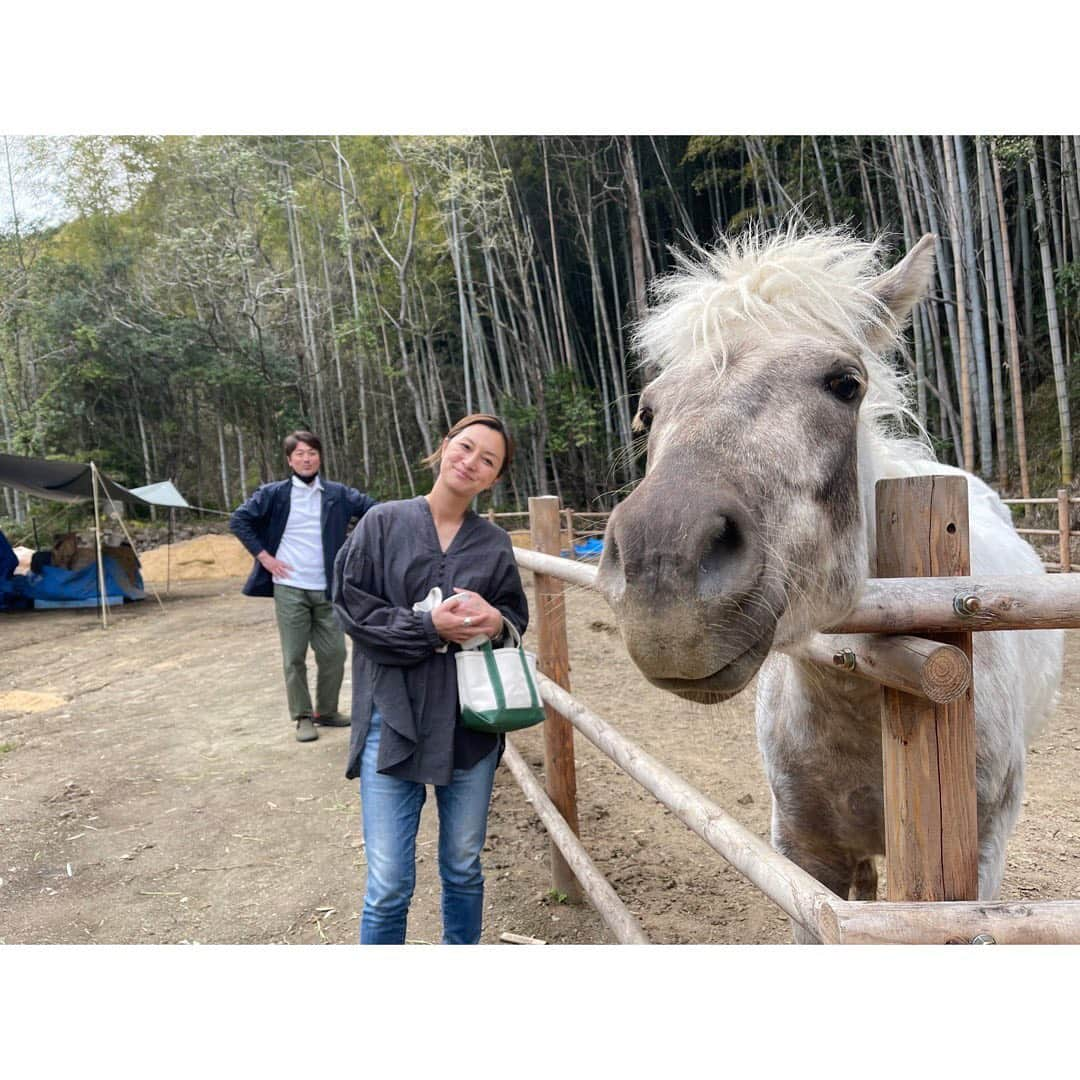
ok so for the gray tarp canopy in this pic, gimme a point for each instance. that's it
(70, 481)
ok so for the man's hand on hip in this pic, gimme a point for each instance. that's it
(276, 567)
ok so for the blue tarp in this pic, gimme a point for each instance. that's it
(56, 585)
(8, 559)
(591, 549)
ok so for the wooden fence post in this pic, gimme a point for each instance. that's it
(553, 660)
(1064, 547)
(928, 750)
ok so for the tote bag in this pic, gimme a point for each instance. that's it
(497, 687)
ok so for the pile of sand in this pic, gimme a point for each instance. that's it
(24, 701)
(201, 559)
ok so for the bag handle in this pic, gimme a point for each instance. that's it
(493, 668)
(511, 629)
(482, 642)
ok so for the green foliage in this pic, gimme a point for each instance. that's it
(571, 411)
(1013, 150)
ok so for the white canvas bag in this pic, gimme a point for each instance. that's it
(497, 687)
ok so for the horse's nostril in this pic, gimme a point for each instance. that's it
(718, 568)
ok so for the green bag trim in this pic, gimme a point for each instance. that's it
(498, 720)
(493, 675)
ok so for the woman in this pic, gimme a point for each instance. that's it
(405, 727)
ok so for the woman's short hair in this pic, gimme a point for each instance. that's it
(295, 438)
(487, 420)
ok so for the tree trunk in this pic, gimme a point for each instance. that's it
(953, 215)
(1068, 182)
(463, 317)
(978, 337)
(560, 306)
(945, 279)
(829, 213)
(1026, 268)
(1054, 217)
(635, 230)
(991, 314)
(868, 197)
(223, 460)
(1060, 381)
(347, 246)
(1014, 337)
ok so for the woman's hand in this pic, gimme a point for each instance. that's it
(464, 615)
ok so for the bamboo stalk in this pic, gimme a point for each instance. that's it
(603, 897)
(1063, 530)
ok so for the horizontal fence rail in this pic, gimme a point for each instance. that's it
(789, 886)
(949, 604)
(612, 910)
(927, 669)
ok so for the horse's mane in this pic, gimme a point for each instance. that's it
(788, 282)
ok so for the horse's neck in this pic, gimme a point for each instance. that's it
(879, 460)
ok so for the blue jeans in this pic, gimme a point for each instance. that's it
(391, 811)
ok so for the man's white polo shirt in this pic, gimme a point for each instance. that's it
(301, 545)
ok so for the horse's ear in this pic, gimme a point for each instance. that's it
(902, 287)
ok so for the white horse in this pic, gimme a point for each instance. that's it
(773, 414)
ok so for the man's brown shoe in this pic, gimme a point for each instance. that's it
(332, 720)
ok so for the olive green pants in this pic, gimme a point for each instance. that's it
(305, 617)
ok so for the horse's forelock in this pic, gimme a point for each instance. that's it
(759, 284)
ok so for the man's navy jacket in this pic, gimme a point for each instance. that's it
(260, 524)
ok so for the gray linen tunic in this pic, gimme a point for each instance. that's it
(391, 561)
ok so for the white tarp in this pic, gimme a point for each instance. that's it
(161, 494)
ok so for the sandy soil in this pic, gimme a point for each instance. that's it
(151, 791)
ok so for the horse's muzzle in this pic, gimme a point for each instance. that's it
(687, 585)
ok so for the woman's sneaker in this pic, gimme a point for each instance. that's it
(305, 730)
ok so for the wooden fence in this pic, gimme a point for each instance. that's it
(924, 586)
(1064, 564)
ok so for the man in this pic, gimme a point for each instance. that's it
(294, 528)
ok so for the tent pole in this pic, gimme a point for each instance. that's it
(120, 520)
(100, 560)
(168, 550)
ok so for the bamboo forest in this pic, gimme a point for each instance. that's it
(177, 304)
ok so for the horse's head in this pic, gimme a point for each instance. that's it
(747, 530)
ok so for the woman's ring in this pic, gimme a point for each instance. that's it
(467, 621)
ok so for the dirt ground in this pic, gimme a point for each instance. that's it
(151, 791)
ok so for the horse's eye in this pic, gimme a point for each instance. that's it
(844, 387)
(644, 418)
